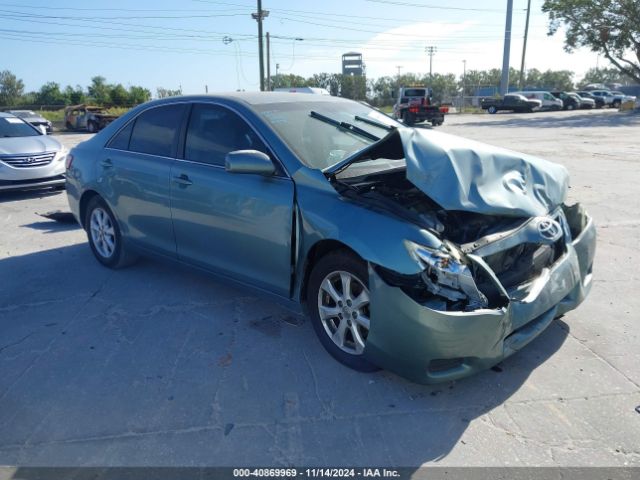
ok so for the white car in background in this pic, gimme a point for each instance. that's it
(549, 102)
(28, 158)
(605, 95)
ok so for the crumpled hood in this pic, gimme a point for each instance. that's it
(461, 174)
(29, 145)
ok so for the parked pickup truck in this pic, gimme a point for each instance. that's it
(511, 102)
(415, 104)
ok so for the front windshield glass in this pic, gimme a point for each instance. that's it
(14, 127)
(319, 144)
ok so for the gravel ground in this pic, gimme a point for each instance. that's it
(158, 365)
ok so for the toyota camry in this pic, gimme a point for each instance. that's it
(411, 250)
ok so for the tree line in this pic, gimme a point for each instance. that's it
(446, 86)
(99, 92)
(377, 91)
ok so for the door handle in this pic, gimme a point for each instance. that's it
(182, 180)
(107, 163)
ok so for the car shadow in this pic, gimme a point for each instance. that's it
(558, 120)
(157, 365)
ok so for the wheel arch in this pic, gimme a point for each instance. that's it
(319, 250)
(84, 201)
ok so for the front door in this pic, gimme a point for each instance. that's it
(235, 224)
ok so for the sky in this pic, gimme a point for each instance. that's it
(208, 44)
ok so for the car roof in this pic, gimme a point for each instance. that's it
(5, 114)
(255, 98)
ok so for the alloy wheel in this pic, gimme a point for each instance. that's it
(103, 234)
(343, 306)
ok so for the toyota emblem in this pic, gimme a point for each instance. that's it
(549, 229)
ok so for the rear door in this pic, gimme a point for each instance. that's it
(236, 224)
(136, 173)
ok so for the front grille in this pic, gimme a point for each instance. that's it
(28, 161)
(524, 262)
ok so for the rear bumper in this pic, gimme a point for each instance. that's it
(430, 346)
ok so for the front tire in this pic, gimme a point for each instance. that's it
(104, 235)
(492, 110)
(91, 127)
(338, 299)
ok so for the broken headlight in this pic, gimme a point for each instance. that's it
(447, 274)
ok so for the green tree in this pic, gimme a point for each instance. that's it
(11, 88)
(138, 95)
(50, 94)
(444, 86)
(74, 96)
(604, 75)
(99, 90)
(353, 87)
(118, 95)
(609, 27)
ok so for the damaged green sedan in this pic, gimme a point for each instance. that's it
(412, 250)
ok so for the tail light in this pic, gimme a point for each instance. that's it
(444, 109)
(69, 161)
(414, 109)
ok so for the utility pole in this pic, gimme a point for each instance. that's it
(504, 81)
(524, 45)
(259, 17)
(431, 51)
(268, 64)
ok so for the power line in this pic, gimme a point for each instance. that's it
(435, 7)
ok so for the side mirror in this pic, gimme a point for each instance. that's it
(249, 161)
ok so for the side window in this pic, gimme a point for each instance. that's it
(547, 96)
(155, 131)
(121, 140)
(214, 131)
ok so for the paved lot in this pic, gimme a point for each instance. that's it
(156, 365)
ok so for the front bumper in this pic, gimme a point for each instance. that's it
(430, 346)
(50, 175)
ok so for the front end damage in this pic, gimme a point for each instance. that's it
(439, 337)
(512, 257)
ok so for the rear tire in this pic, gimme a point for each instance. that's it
(338, 301)
(408, 119)
(492, 110)
(91, 127)
(103, 233)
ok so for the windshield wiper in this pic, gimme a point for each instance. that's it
(344, 126)
(388, 128)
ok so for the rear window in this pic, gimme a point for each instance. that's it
(415, 92)
(156, 130)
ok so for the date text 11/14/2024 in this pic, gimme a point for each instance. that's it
(315, 472)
